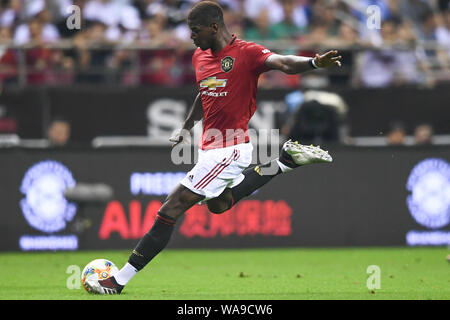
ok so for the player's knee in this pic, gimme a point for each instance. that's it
(178, 202)
(188, 198)
(218, 207)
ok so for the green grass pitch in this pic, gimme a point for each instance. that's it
(257, 274)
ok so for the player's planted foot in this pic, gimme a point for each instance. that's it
(294, 154)
(106, 286)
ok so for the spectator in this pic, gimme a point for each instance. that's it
(59, 8)
(38, 56)
(412, 64)
(260, 30)
(423, 134)
(433, 31)
(414, 10)
(396, 134)
(394, 9)
(59, 132)
(156, 63)
(127, 29)
(174, 10)
(141, 6)
(315, 24)
(38, 12)
(8, 124)
(92, 52)
(316, 36)
(323, 14)
(62, 68)
(389, 62)
(347, 37)
(5, 36)
(121, 19)
(105, 11)
(11, 16)
(234, 20)
(155, 31)
(254, 8)
(235, 6)
(8, 58)
(289, 28)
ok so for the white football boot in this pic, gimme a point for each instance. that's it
(294, 154)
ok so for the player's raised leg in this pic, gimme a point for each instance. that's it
(293, 155)
(176, 204)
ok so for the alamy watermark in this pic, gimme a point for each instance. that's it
(73, 21)
(73, 281)
(374, 280)
(373, 14)
(266, 140)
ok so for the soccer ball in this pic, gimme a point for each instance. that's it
(98, 269)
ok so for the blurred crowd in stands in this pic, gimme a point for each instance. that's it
(147, 42)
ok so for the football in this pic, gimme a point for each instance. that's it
(98, 269)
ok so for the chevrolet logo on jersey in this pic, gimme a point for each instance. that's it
(212, 83)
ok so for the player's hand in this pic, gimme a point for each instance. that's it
(328, 60)
(180, 136)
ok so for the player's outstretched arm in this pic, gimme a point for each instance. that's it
(291, 64)
(195, 114)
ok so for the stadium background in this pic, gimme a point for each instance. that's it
(96, 105)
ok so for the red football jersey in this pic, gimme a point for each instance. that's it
(228, 82)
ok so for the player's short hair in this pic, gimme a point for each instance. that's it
(206, 12)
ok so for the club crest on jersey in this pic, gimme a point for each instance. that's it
(212, 83)
(227, 64)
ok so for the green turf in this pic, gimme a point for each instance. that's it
(406, 273)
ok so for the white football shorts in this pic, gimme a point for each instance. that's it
(217, 169)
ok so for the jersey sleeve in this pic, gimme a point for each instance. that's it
(256, 56)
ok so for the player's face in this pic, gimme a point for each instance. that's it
(202, 36)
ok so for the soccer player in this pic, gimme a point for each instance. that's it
(227, 71)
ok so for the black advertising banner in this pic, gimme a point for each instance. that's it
(366, 197)
(153, 111)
